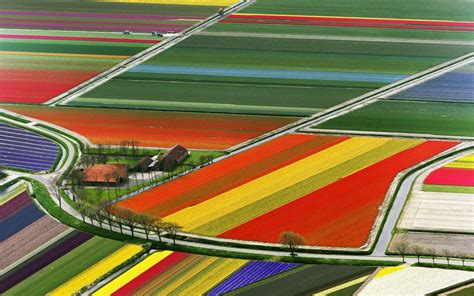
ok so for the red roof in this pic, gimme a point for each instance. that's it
(105, 173)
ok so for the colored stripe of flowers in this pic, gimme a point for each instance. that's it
(286, 194)
(220, 207)
(159, 27)
(252, 272)
(466, 162)
(38, 86)
(132, 273)
(98, 15)
(75, 38)
(341, 214)
(14, 205)
(153, 128)
(352, 19)
(237, 170)
(152, 273)
(193, 276)
(57, 54)
(345, 24)
(451, 176)
(94, 272)
(19, 220)
(51, 255)
(178, 2)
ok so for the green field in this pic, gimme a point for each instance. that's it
(206, 96)
(449, 119)
(73, 47)
(304, 280)
(275, 96)
(445, 188)
(229, 28)
(459, 10)
(315, 55)
(66, 267)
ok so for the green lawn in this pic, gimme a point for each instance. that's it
(66, 267)
(112, 193)
(451, 119)
(468, 291)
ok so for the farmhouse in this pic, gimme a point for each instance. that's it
(105, 174)
(170, 160)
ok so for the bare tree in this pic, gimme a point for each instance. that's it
(105, 209)
(116, 176)
(292, 240)
(432, 254)
(98, 195)
(158, 227)
(146, 222)
(463, 257)
(402, 248)
(446, 254)
(134, 148)
(86, 210)
(115, 211)
(82, 209)
(418, 251)
(128, 218)
(55, 190)
(96, 213)
(172, 230)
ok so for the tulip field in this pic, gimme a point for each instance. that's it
(40, 255)
(235, 199)
(267, 147)
(157, 129)
(106, 16)
(174, 273)
(26, 150)
(438, 106)
(36, 67)
(258, 61)
(444, 202)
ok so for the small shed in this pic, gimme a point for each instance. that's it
(174, 157)
(144, 165)
(105, 174)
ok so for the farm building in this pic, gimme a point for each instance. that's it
(145, 164)
(105, 174)
(170, 160)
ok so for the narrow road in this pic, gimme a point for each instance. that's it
(402, 195)
(243, 251)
